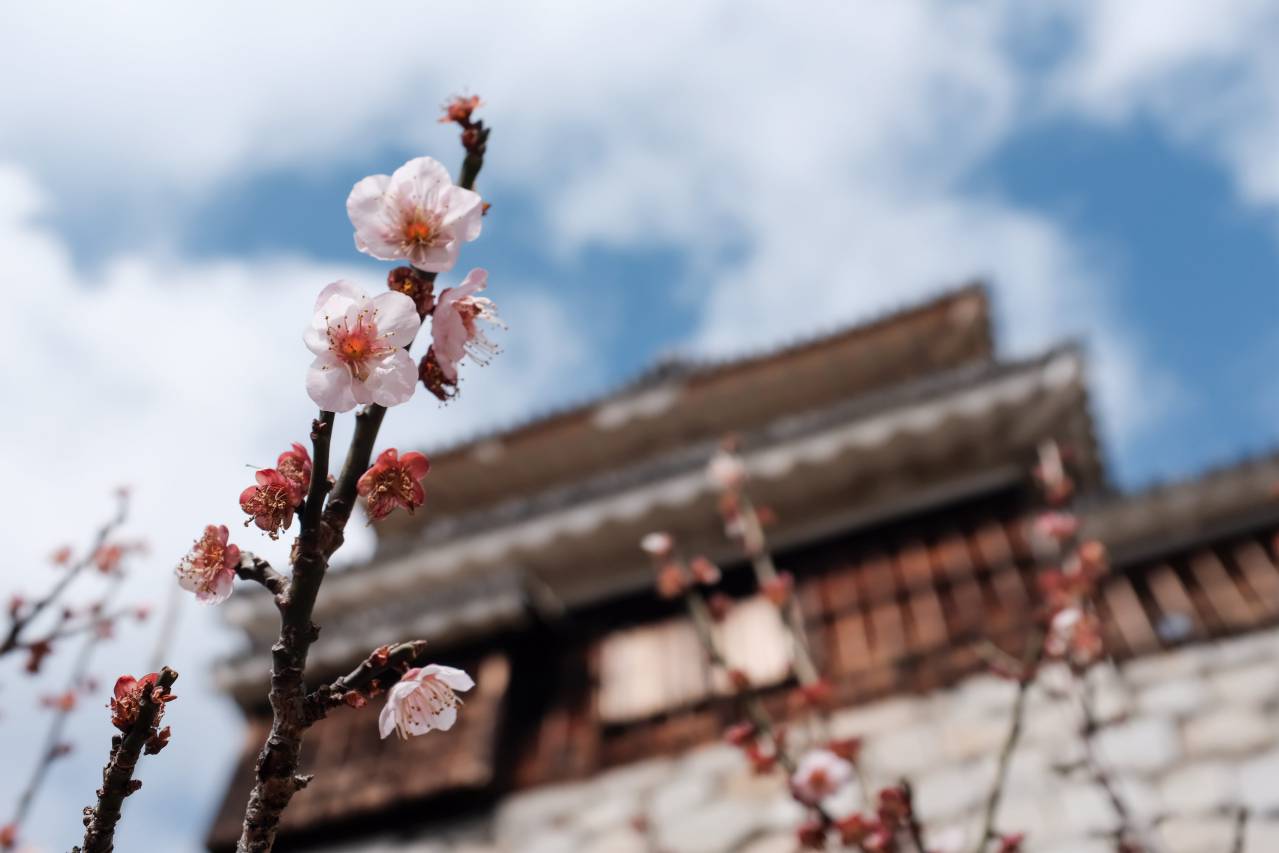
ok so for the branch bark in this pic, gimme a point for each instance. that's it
(379, 670)
(254, 568)
(117, 777)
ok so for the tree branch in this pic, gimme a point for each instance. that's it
(321, 535)
(13, 638)
(1029, 666)
(379, 670)
(254, 568)
(117, 777)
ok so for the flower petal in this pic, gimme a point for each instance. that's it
(386, 719)
(465, 212)
(455, 678)
(445, 719)
(416, 463)
(367, 207)
(328, 383)
(418, 181)
(392, 379)
(396, 317)
(340, 288)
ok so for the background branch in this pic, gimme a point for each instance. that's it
(20, 621)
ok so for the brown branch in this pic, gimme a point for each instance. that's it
(19, 623)
(474, 156)
(117, 777)
(320, 536)
(378, 670)
(1241, 830)
(913, 827)
(254, 568)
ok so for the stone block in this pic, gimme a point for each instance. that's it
(877, 718)
(717, 827)
(1141, 745)
(1175, 697)
(1249, 684)
(1185, 662)
(1202, 834)
(904, 752)
(1259, 782)
(1228, 731)
(1205, 786)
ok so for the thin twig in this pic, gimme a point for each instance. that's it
(766, 575)
(384, 667)
(13, 639)
(58, 725)
(254, 568)
(117, 777)
(1029, 667)
(1241, 830)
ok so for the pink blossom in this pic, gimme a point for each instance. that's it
(359, 348)
(127, 699)
(1056, 526)
(658, 544)
(417, 214)
(726, 471)
(424, 699)
(393, 482)
(295, 465)
(271, 502)
(820, 774)
(460, 108)
(454, 333)
(209, 569)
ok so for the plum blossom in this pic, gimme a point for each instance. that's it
(295, 465)
(393, 482)
(127, 699)
(359, 348)
(424, 699)
(454, 333)
(271, 502)
(460, 108)
(726, 471)
(209, 569)
(658, 543)
(1075, 636)
(820, 774)
(417, 214)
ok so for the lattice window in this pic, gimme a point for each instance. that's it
(651, 669)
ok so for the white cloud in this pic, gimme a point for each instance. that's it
(1207, 72)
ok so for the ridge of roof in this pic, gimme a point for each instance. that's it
(672, 365)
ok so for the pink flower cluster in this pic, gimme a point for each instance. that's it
(360, 343)
(279, 491)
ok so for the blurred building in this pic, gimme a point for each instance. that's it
(896, 456)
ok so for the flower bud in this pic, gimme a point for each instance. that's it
(414, 284)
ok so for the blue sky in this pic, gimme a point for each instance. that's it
(696, 178)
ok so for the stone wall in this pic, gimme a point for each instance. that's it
(1192, 735)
